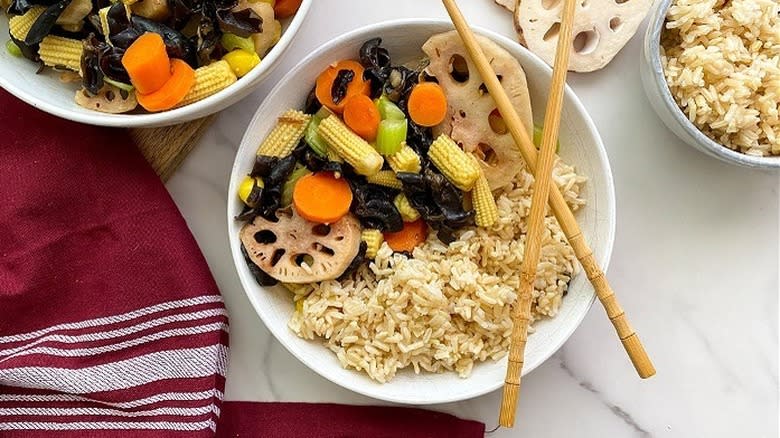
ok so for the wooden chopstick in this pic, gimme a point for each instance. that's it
(521, 313)
(566, 220)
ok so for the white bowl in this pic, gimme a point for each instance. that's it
(581, 147)
(657, 90)
(45, 92)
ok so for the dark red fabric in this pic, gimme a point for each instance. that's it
(295, 420)
(88, 231)
(89, 236)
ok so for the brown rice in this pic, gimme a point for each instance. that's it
(722, 63)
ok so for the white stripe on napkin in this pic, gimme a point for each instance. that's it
(124, 331)
(170, 305)
(136, 371)
(172, 411)
(91, 351)
(163, 397)
(109, 425)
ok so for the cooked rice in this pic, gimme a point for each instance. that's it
(447, 307)
(722, 63)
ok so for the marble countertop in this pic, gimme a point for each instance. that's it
(695, 265)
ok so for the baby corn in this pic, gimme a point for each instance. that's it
(385, 178)
(353, 149)
(286, 134)
(408, 213)
(484, 203)
(373, 239)
(56, 51)
(209, 79)
(453, 163)
(405, 160)
(19, 25)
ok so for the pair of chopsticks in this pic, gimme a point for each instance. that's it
(541, 164)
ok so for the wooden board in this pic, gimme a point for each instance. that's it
(165, 148)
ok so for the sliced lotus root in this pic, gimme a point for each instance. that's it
(509, 5)
(294, 250)
(109, 99)
(601, 29)
(472, 119)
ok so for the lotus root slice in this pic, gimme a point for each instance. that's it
(470, 106)
(294, 250)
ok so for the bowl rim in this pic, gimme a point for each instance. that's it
(652, 46)
(364, 31)
(202, 108)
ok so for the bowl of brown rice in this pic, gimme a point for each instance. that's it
(434, 325)
(711, 70)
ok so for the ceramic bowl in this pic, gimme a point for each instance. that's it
(581, 146)
(45, 91)
(666, 107)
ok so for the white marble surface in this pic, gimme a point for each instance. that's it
(695, 265)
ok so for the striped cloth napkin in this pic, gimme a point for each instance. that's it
(111, 324)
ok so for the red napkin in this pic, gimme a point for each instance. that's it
(110, 321)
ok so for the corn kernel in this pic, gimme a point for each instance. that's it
(245, 189)
(241, 61)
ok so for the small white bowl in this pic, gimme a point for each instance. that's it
(45, 92)
(666, 107)
(581, 147)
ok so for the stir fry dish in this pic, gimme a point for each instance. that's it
(390, 180)
(145, 55)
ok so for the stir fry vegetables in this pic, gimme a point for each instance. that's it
(137, 49)
(363, 151)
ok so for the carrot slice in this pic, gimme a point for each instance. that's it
(321, 197)
(362, 116)
(325, 84)
(286, 8)
(410, 236)
(147, 63)
(427, 104)
(182, 79)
